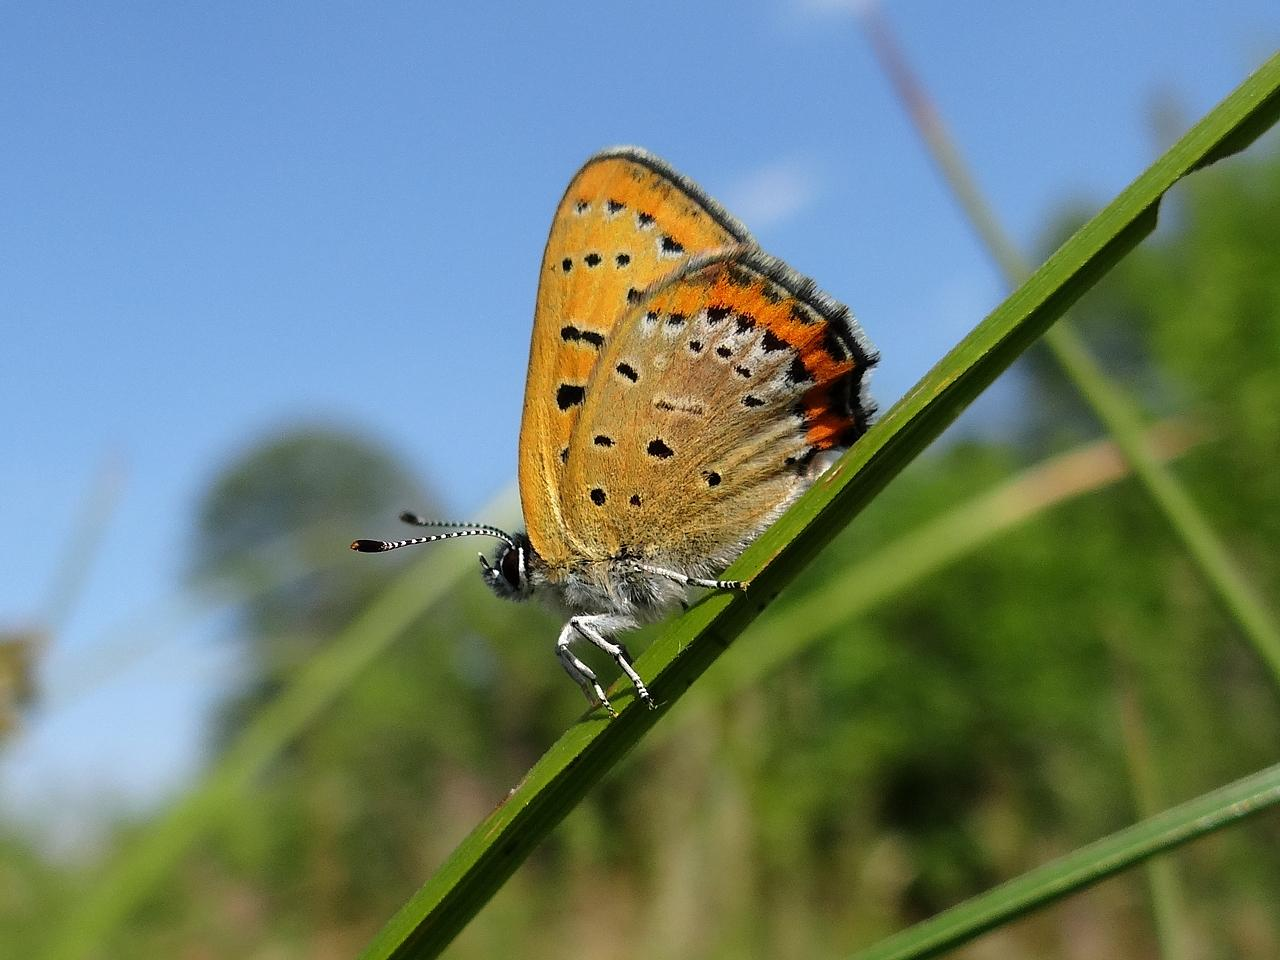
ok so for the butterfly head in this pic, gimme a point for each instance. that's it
(509, 574)
(513, 572)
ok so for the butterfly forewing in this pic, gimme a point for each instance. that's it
(703, 418)
(626, 221)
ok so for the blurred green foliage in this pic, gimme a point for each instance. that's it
(958, 735)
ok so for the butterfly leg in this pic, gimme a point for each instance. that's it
(595, 628)
(694, 581)
(582, 675)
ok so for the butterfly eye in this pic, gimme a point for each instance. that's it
(509, 564)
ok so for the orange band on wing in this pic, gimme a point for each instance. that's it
(829, 414)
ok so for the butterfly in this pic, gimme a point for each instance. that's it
(684, 387)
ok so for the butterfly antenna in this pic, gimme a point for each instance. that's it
(461, 530)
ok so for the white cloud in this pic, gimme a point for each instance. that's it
(773, 193)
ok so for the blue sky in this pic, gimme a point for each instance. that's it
(218, 220)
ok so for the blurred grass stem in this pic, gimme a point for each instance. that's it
(1168, 905)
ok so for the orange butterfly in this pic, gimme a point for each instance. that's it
(683, 389)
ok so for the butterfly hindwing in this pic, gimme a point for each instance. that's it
(626, 221)
(706, 411)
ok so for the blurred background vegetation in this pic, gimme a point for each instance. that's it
(979, 722)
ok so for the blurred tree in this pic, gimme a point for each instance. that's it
(264, 521)
(272, 535)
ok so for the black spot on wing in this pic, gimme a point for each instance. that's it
(676, 320)
(598, 496)
(745, 322)
(752, 401)
(633, 295)
(724, 352)
(716, 313)
(671, 246)
(635, 500)
(569, 394)
(602, 441)
(644, 220)
(570, 334)
(566, 264)
(628, 371)
(743, 372)
(615, 206)
(592, 259)
(771, 342)
(798, 372)
(657, 448)
(712, 478)
(622, 259)
(695, 346)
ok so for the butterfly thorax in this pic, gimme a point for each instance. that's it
(617, 584)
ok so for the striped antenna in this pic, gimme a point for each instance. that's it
(462, 530)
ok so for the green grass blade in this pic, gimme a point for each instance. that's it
(1083, 868)
(1110, 404)
(484, 860)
